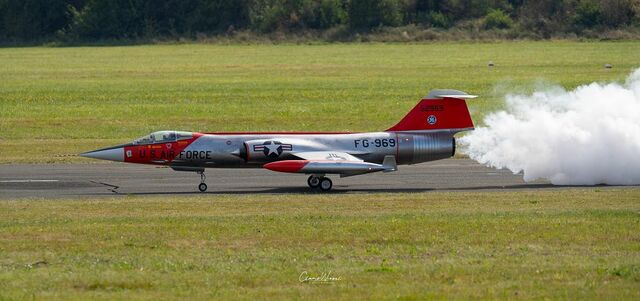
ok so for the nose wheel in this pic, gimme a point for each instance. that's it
(321, 182)
(203, 186)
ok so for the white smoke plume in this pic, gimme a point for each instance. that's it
(587, 136)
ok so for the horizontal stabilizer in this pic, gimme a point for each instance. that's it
(448, 93)
(457, 96)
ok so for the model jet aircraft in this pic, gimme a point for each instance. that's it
(424, 134)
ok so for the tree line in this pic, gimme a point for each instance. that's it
(90, 20)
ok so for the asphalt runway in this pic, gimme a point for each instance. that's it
(89, 180)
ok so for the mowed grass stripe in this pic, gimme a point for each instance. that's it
(575, 243)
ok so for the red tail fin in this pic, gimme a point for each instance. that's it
(440, 110)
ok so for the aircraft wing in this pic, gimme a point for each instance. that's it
(328, 162)
(327, 156)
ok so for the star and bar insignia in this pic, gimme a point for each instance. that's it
(272, 149)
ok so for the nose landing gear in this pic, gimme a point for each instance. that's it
(321, 182)
(203, 186)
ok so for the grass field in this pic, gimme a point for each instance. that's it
(566, 244)
(56, 102)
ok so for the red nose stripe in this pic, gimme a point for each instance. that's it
(286, 165)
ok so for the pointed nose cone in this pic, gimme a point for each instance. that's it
(111, 154)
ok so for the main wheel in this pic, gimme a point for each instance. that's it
(202, 187)
(313, 181)
(326, 184)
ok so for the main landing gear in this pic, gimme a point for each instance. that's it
(203, 186)
(321, 182)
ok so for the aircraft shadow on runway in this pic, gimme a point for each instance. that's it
(345, 190)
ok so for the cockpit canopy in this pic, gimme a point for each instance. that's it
(163, 137)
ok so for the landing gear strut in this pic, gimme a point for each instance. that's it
(203, 186)
(321, 182)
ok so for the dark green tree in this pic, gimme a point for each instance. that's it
(587, 14)
(100, 19)
(616, 13)
(367, 14)
(497, 18)
(213, 16)
(32, 19)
